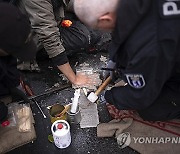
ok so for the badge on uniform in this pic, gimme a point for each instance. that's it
(169, 8)
(135, 80)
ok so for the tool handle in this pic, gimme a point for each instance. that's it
(67, 107)
(39, 108)
(26, 87)
(103, 86)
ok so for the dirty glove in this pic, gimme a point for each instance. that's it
(109, 70)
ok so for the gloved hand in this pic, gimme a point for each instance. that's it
(18, 94)
(109, 70)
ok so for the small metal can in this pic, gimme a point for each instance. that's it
(61, 133)
(74, 118)
(57, 109)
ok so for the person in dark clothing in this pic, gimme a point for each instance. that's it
(146, 51)
(15, 42)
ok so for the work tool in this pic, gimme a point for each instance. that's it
(93, 96)
(62, 87)
(31, 93)
(32, 97)
(39, 108)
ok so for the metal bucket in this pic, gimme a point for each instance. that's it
(57, 109)
(74, 118)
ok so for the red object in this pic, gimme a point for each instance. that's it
(66, 23)
(60, 126)
(26, 87)
(5, 123)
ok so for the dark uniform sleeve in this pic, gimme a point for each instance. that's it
(153, 65)
(131, 13)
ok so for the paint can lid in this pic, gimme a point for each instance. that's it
(60, 126)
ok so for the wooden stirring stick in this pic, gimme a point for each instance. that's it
(67, 107)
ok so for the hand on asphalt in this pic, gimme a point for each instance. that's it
(82, 79)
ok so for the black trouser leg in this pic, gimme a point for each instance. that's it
(10, 76)
(166, 107)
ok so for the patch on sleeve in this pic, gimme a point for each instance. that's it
(135, 80)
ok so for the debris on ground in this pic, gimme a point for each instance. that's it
(103, 59)
(94, 77)
(84, 64)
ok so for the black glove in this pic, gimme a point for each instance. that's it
(109, 70)
(3, 111)
(18, 94)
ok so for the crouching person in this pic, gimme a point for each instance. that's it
(15, 42)
(49, 32)
(147, 54)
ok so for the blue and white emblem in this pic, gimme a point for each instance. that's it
(135, 80)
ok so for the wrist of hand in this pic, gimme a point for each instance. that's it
(74, 80)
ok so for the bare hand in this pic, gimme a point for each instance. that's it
(81, 79)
